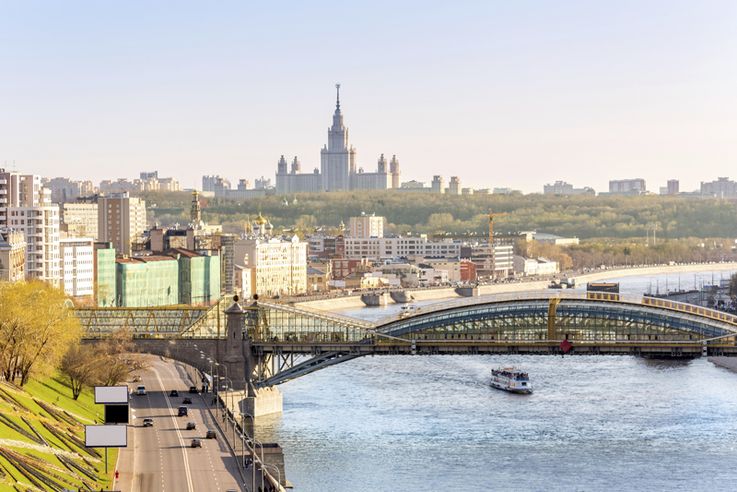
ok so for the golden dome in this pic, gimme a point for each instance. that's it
(260, 220)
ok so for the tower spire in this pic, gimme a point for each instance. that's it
(337, 98)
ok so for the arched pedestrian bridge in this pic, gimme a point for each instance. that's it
(283, 342)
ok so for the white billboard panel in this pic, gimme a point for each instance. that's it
(111, 394)
(106, 436)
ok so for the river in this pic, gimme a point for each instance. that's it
(432, 423)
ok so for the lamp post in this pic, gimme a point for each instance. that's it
(253, 449)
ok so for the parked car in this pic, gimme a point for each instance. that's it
(211, 435)
(196, 443)
(182, 412)
(141, 390)
(187, 401)
(174, 393)
(191, 426)
(193, 390)
(147, 422)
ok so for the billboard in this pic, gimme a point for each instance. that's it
(106, 436)
(111, 394)
(116, 414)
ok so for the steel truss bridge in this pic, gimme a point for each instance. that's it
(287, 342)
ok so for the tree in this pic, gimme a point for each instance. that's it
(37, 326)
(80, 365)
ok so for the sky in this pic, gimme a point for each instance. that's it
(502, 94)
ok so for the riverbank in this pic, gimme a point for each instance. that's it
(729, 363)
(350, 302)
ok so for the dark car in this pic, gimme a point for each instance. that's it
(147, 422)
(187, 401)
(196, 443)
(182, 412)
(193, 390)
(191, 426)
(211, 435)
(174, 393)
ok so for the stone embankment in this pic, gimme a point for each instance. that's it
(349, 302)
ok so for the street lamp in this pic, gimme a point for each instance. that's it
(253, 449)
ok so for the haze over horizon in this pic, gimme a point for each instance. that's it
(501, 94)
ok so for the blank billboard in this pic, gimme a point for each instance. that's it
(111, 394)
(106, 436)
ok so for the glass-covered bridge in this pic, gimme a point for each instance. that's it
(288, 341)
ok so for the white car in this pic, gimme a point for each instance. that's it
(141, 390)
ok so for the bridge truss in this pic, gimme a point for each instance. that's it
(288, 341)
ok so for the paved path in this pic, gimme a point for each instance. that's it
(159, 458)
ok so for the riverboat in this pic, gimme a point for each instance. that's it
(511, 379)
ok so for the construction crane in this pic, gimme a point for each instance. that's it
(493, 215)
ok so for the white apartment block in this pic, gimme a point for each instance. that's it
(378, 248)
(77, 266)
(120, 219)
(276, 267)
(366, 226)
(26, 205)
(79, 219)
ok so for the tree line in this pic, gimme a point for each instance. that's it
(40, 334)
(582, 216)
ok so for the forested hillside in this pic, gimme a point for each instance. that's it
(582, 216)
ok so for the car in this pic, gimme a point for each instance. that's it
(182, 412)
(211, 435)
(141, 390)
(193, 390)
(147, 422)
(174, 393)
(191, 426)
(187, 401)
(196, 443)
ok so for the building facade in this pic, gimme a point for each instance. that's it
(276, 267)
(366, 226)
(79, 219)
(721, 188)
(147, 281)
(25, 205)
(378, 248)
(566, 189)
(77, 267)
(120, 220)
(12, 255)
(627, 186)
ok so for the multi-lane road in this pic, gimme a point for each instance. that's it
(159, 458)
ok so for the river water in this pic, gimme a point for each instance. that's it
(433, 423)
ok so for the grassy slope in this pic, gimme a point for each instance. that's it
(52, 392)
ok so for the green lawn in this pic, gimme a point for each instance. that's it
(44, 411)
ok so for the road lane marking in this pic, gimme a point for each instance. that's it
(187, 471)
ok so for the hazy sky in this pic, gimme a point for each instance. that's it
(501, 93)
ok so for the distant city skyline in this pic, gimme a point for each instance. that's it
(503, 95)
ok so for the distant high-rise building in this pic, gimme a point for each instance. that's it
(121, 219)
(454, 187)
(721, 188)
(673, 187)
(564, 189)
(66, 190)
(627, 186)
(438, 184)
(366, 226)
(338, 168)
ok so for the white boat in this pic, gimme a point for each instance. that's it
(511, 379)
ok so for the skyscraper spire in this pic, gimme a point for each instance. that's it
(337, 98)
